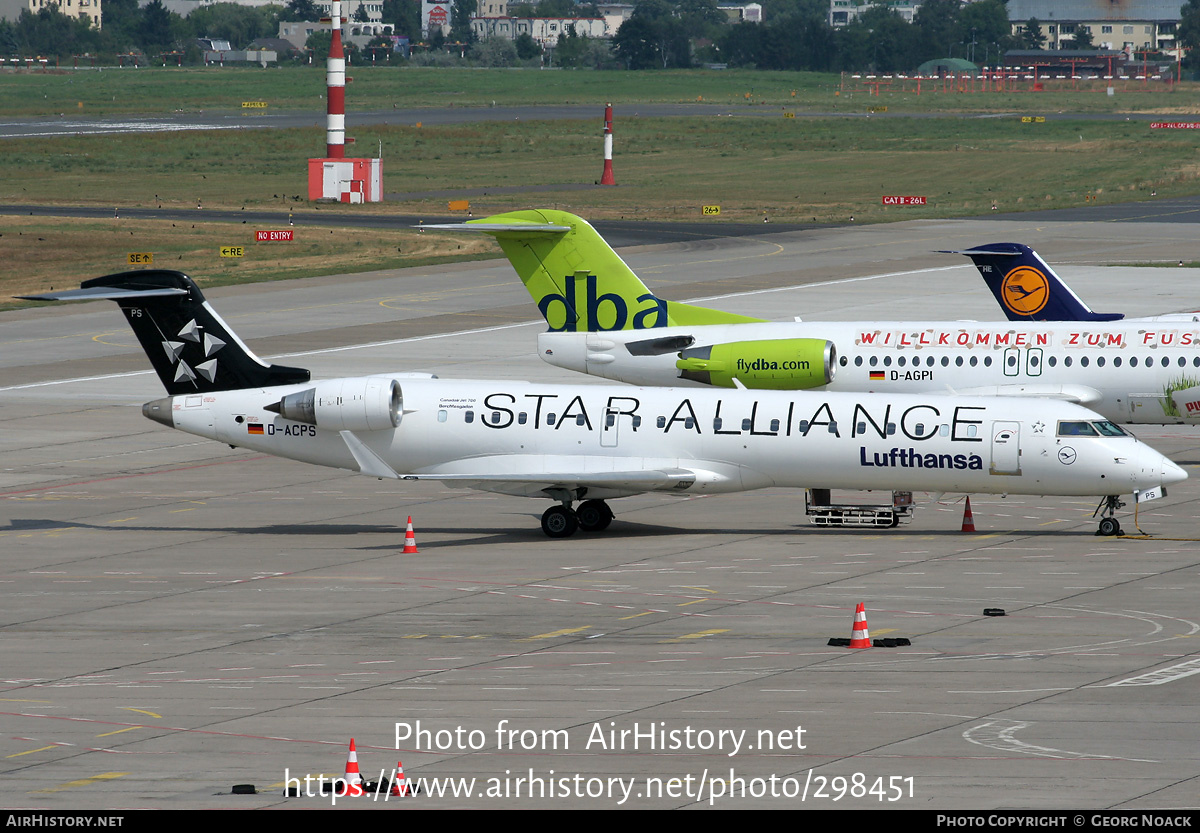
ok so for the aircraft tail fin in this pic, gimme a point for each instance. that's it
(190, 347)
(1026, 287)
(578, 282)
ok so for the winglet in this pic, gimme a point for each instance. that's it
(1026, 287)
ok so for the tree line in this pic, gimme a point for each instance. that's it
(661, 34)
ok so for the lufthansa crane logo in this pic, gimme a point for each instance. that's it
(1025, 290)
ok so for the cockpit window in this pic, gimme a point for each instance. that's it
(1109, 429)
(1076, 429)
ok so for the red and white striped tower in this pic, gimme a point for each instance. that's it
(335, 92)
(607, 177)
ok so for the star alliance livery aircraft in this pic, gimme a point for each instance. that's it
(605, 322)
(591, 443)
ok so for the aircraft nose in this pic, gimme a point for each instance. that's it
(1172, 473)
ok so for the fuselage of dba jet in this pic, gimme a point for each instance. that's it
(592, 443)
(1128, 373)
(605, 322)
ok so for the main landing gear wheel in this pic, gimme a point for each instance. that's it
(594, 515)
(1109, 527)
(559, 522)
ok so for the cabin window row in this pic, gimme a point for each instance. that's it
(1012, 360)
(718, 424)
(496, 417)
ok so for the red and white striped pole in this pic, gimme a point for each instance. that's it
(607, 177)
(335, 92)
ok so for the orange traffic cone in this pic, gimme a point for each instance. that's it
(410, 541)
(354, 782)
(400, 783)
(968, 524)
(859, 636)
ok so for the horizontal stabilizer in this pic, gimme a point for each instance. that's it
(980, 250)
(494, 228)
(104, 293)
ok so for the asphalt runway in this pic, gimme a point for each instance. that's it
(17, 127)
(179, 617)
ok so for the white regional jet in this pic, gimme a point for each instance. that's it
(605, 322)
(591, 443)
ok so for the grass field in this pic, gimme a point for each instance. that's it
(165, 90)
(44, 253)
(753, 163)
(826, 169)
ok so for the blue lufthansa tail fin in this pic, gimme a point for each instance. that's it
(1027, 288)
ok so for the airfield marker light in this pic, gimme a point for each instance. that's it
(968, 524)
(335, 94)
(607, 177)
(859, 636)
(410, 541)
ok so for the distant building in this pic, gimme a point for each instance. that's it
(614, 14)
(544, 30)
(183, 8)
(219, 51)
(371, 9)
(435, 17)
(296, 32)
(1070, 62)
(1130, 24)
(492, 8)
(279, 46)
(88, 10)
(493, 20)
(744, 13)
(845, 12)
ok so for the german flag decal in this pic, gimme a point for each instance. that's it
(876, 376)
(254, 428)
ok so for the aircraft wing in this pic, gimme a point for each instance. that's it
(1079, 394)
(535, 473)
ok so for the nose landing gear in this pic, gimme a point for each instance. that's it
(1109, 525)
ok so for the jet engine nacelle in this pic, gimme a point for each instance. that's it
(776, 364)
(365, 403)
